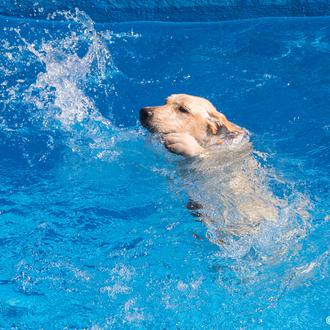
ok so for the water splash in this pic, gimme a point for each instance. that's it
(260, 221)
(75, 68)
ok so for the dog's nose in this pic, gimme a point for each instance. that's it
(145, 113)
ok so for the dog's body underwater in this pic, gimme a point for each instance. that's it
(228, 190)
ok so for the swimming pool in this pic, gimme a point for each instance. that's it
(94, 229)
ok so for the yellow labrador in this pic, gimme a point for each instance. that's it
(223, 179)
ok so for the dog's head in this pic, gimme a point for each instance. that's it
(189, 115)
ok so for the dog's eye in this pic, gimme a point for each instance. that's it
(183, 109)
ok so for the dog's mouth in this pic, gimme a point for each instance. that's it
(146, 125)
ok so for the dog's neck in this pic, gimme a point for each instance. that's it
(225, 138)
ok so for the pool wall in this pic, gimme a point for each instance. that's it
(168, 10)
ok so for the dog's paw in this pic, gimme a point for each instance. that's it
(182, 144)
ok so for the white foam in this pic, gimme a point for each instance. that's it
(76, 65)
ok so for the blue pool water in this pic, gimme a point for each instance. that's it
(94, 229)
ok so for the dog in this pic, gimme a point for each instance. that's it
(226, 184)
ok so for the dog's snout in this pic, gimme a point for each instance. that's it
(145, 114)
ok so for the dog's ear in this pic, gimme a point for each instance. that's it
(213, 127)
(219, 123)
